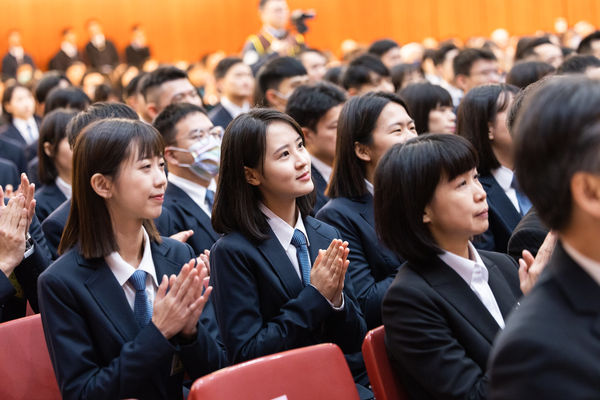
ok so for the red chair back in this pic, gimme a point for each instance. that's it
(315, 372)
(25, 368)
(379, 369)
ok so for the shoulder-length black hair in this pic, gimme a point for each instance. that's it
(103, 147)
(52, 131)
(405, 182)
(236, 205)
(7, 97)
(477, 110)
(421, 99)
(356, 124)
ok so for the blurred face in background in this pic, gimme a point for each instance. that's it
(275, 14)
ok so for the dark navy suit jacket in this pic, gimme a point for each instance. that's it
(503, 217)
(12, 133)
(320, 186)
(48, 198)
(220, 116)
(9, 174)
(438, 333)
(262, 306)
(550, 348)
(53, 226)
(13, 151)
(185, 214)
(97, 349)
(372, 266)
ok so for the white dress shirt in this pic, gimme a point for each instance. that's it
(30, 135)
(195, 191)
(284, 232)
(64, 187)
(324, 169)
(590, 266)
(233, 109)
(370, 187)
(504, 177)
(122, 270)
(474, 272)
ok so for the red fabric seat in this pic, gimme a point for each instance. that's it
(314, 372)
(25, 368)
(379, 369)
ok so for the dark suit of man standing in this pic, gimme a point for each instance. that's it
(550, 348)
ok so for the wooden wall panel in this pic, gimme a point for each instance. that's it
(187, 29)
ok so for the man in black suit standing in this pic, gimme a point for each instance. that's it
(236, 84)
(100, 52)
(550, 348)
(15, 57)
(67, 54)
(137, 52)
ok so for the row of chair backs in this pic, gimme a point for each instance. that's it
(314, 372)
(25, 368)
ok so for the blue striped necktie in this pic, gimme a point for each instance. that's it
(142, 309)
(209, 198)
(299, 241)
(524, 203)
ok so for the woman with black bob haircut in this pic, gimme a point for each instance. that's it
(55, 162)
(268, 298)
(449, 300)
(482, 118)
(368, 126)
(120, 313)
(430, 106)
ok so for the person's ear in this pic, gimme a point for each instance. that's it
(352, 91)
(48, 149)
(491, 131)
(309, 136)
(460, 81)
(151, 110)
(362, 151)
(427, 215)
(273, 99)
(252, 176)
(585, 189)
(170, 157)
(102, 185)
(219, 85)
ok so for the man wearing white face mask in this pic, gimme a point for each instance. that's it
(192, 153)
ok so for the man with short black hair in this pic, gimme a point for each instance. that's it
(539, 49)
(276, 81)
(388, 51)
(235, 83)
(167, 85)
(443, 59)
(366, 73)
(590, 44)
(316, 108)
(475, 67)
(315, 63)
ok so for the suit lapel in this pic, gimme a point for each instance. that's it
(318, 241)
(279, 261)
(504, 296)
(455, 290)
(191, 208)
(110, 297)
(497, 199)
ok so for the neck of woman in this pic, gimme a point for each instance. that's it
(130, 239)
(286, 210)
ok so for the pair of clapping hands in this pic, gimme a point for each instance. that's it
(15, 218)
(181, 298)
(329, 270)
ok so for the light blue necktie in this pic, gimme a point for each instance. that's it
(142, 309)
(299, 241)
(209, 198)
(524, 203)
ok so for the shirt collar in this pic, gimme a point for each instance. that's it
(282, 230)
(22, 124)
(465, 266)
(370, 187)
(504, 177)
(591, 267)
(324, 169)
(196, 192)
(234, 109)
(63, 186)
(123, 270)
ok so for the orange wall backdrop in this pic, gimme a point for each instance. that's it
(187, 29)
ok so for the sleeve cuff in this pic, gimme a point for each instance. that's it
(340, 308)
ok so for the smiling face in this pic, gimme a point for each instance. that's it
(285, 171)
(457, 211)
(137, 191)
